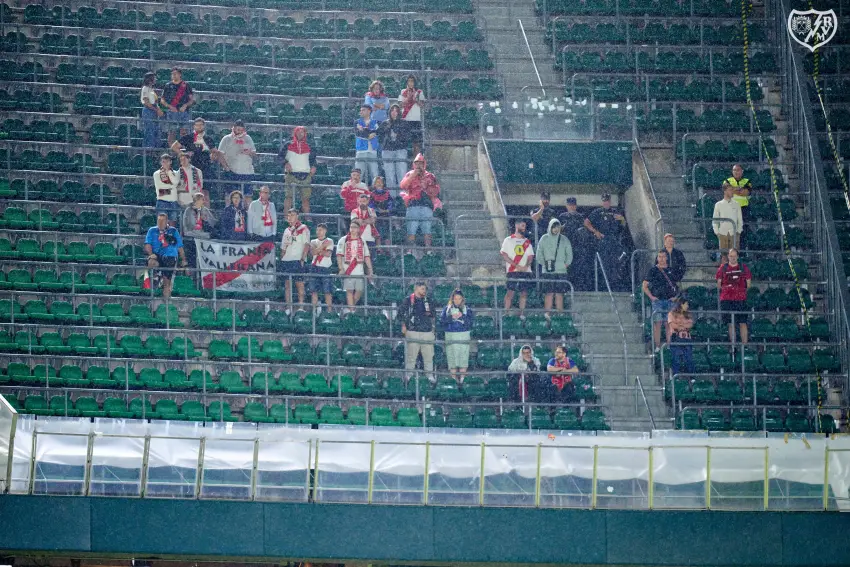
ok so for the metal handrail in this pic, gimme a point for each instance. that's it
(531, 55)
(495, 178)
(601, 265)
(645, 402)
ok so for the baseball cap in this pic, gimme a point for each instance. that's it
(606, 196)
(572, 201)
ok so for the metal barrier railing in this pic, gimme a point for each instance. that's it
(803, 135)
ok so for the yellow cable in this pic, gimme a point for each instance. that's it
(746, 7)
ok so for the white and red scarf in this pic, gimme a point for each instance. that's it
(354, 253)
(410, 97)
(267, 214)
(199, 141)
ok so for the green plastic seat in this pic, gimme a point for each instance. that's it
(144, 410)
(202, 380)
(116, 408)
(175, 379)
(594, 420)
(255, 412)
(381, 417)
(332, 415)
(115, 315)
(220, 411)
(99, 377)
(221, 350)
(192, 411)
(231, 382)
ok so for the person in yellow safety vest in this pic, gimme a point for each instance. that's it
(742, 187)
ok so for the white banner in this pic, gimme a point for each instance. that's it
(254, 262)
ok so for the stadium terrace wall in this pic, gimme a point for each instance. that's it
(79, 527)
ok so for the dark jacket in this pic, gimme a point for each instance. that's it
(227, 223)
(678, 264)
(393, 135)
(418, 314)
(459, 325)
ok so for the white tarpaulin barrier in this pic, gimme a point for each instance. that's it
(254, 263)
(675, 459)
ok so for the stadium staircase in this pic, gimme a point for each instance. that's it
(499, 19)
(605, 353)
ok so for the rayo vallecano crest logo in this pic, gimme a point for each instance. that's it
(812, 28)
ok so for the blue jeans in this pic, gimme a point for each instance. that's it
(681, 356)
(419, 217)
(395, 167)
(150, 128)
(178, 120)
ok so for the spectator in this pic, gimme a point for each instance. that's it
(293, 254)
(523, 370)
(542, 215)
(166, 181)
(178, 97)
(383, 204)
(395, 138)
(191, 181)
(198, 222)
(151, 112)
(236, 156)
(262, 217)
(412, 104)
(518, 254)
(660, 288)
(606, 223)
(366, 143)
(675, 259)
(420, 193)
(571, 220)
(733, 280)
(367, 219)
(234, 219)
(561, 368)
(377, 100)
(729, 229)
(299, 163)
(352, 189)
(163, 245)
(352, 255)
(457, 320)
(417, 318)
(554, 256)
(199, 146)
(679, 325)
(321, 281)
(741, 187)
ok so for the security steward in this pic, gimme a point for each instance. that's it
(606, 224)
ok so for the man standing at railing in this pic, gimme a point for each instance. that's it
(660, 288)
(542, 216)
(418, 317)
(518, 254)
(728, 230)
(742, 188)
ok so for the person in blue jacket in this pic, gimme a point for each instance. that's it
(366, 144)
(456, 320)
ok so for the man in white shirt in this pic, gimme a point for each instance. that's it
(262, 217)
(518, 254)
(166, 182)
(367, 218)
(293, 253)
(729, 229)
(237, 158)
(351, 256)
(322, 250)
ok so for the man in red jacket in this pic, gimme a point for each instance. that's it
(420, 192)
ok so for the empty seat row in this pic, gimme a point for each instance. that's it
(102, 221)
(710, 120)
(663, 89)
(572, 60)
(725, 390)
(771, 299)
(665, 8)
(719, 150)
(29, 249)
(799, 359)
(565, 31)
(286, 27)
(63, 313)
(770, 419)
